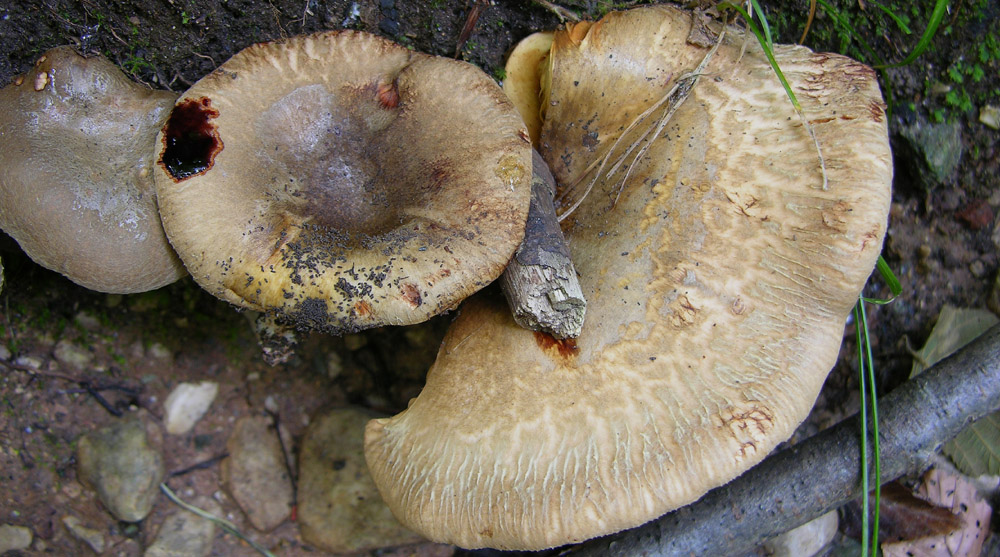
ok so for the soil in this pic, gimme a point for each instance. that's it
(942, 244)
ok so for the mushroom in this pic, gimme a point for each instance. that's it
(718, 285)
(339, 181)
(76, 190)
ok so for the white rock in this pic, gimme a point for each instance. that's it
(806, 540)
(30, 362)
(990, 116)
(71, 355)
(187, 404)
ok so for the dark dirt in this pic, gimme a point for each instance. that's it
(942, 244)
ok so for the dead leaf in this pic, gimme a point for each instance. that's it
(951, 492)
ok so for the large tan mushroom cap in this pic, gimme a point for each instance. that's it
(76, 189)
(717, 290)
(340, 181)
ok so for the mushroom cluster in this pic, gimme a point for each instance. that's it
(335, 181)
(719, 265)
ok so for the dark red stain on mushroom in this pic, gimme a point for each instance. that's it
(388, 95)
(439, 173)
(411, 294)
(565, 347)
(190, 139)
(362, 309)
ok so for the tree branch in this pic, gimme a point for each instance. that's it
(540, 282)
(800, 483)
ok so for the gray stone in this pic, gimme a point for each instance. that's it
(186, 404)
(927, 152)
(255, 473)
(119, 463)
(14, 538)
(91, 536)
(71, 355)
(340, 509)
(87, 320)
(29, 362)
(185, 534)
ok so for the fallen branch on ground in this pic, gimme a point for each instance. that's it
(803, 482)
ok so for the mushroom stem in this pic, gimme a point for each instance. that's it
(822, 473)
(540, 282)
(277, 339)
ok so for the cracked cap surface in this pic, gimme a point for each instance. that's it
(718, 286)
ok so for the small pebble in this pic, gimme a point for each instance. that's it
(340, 509)
(255, 473)
(119, 463)
(90, 536)
(72, 355)
(186, 404)
(184, 533)
(29, 362)
(977, 268)
(14, 538)
(989, 116)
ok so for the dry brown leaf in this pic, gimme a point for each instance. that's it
(952, 492)
(904, 516)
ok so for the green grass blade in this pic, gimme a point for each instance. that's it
(865, 526)
(767, 50)
(222, 523)
(899, 21)
(844, 23)
(769, 53)
(876, 451)
(940, 8)
(879, 63)
(763, 23)
(890, 279)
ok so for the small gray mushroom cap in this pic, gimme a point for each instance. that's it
(717, 285)
(339, 181)
(76, 184)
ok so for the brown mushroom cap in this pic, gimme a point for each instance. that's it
(340, 181)
(717, 288)
(76, 190)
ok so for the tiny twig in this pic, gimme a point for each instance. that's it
(85, 385)
(470, 24)
(673, 99)
(208, 463)
(809, 20)
(284, 452)
(100, 399)
(562, 13)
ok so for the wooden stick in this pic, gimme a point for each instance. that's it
(540, 282)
